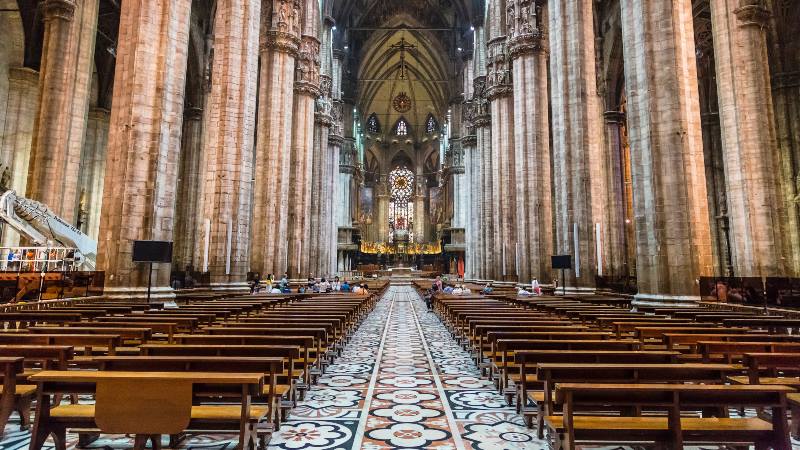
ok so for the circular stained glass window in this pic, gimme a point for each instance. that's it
(402, 103)
(401, 181)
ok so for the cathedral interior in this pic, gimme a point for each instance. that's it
(470, 218)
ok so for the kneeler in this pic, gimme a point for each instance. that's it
(144, 408)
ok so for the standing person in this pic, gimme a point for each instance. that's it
(535, 287)
(336, 285)
(284, 280)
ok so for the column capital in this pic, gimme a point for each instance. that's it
(280, 41)
(59, 9)
(525, 44)
(752, 13)
(469, 140)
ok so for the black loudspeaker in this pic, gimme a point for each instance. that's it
(561, 261)
(152, 251)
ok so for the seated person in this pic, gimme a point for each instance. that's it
(523, 293)
(324, 286)
(286, 290)
(275, 289)
(465, 290)
(448, 289)
(301, 290)
(458, 290)
(487, 289)
(345, 287)
(356, 288)
(364, 290)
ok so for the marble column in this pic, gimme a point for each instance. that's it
(227, 157)
(533, 207)
(280, 40)
(143, 142)
(486, 204)
(23, 95)
(321, 187)
(757, 213)
(473, 188)
(334, 147)
(307, 90)
(616, 237)
(673, 237)
(189, 244)
(499, 92)
(93, 170)
(70, 27)
(580, 173)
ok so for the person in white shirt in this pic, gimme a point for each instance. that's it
(523, 293)
(458, 290)
(466, 291)
(535, 287)
(336, 285)
(356, 288)
(274, 290)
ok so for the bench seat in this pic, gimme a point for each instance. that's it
(780, 381)
(202, 412)
(23, 389)
(731, 428)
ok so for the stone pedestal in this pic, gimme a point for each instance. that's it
(673, 238)
(70, 27)
(143, 142)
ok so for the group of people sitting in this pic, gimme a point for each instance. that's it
(313, 285)
(445, 288)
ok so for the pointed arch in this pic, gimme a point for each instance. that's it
(431, 124)
(402, 127)
(373, 124)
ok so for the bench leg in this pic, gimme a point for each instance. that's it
(23, 408)
(175, 440)
(140, 441)
(85, 439)
(795, 425)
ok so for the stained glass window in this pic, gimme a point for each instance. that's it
(431, 125)
(401, 187)
(373, 126)
(401, 129)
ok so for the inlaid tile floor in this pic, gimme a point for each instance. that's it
(401, 383)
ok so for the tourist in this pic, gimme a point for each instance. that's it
(448, 290)
(275, 289)
(364, 290)
(336, 286)
(487, 289)
(465, 290)
(345, 287)
(428, 297)
(458, 290)
(535, 288)
(284, 280)
(286, 290)
(522, 292)
(324, 285)
(356, 288)
(438, 283)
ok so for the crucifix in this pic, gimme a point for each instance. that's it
(402, 46)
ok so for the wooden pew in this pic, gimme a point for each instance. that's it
(672, 431)
(23, 319)
(83, 343)
(137, 335)
(167, 329)
(729, 352)
(15, 397)
(148, 404)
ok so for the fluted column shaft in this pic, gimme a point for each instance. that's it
(190, 225)
(616, 245)
(473, 188)
(64, 93)
(144, 139)
(334, 147)
(579, 167)
(320, 197)
(503, 186)
(758, 227)
(488, 207)
(23, 94)
(279, 43)
(306, 91)
(93, 169)
(670, 204)
(227, 166)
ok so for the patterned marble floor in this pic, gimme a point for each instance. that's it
(403, 383)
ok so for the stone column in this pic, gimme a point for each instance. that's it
(280, 31)
(70, 27)
(486, 204)
(189, 248)
(321, 187)
(673, 237)
(227, 157)
(307, 90)
(757, 213)
(617, 240)
(579, 167)
(23, 95)
(503, 187)
(472, 187)
(533, 207)
(93, 170)
(334, 146)
(143, 141)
